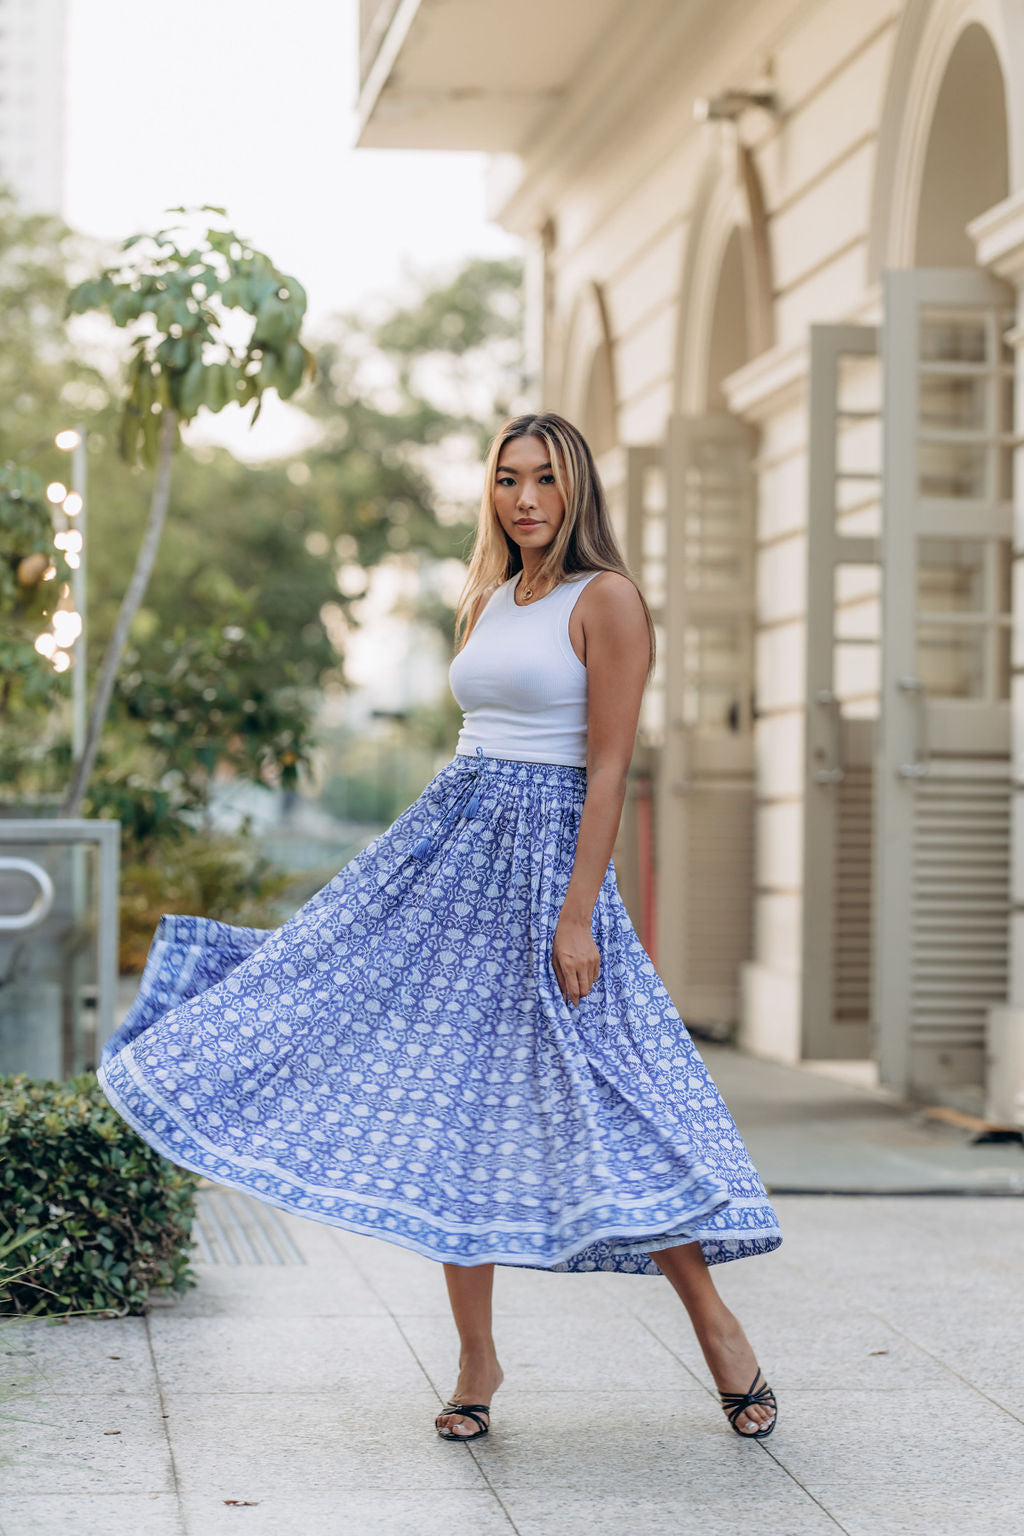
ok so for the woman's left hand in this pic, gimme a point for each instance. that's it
(576, 959)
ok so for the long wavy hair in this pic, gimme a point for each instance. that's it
(585, 541)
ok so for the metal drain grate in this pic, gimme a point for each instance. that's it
(230, 1228)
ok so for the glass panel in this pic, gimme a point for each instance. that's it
(951, 576)
(654, 541)
(951, 471)
(652, 717)
(951, 660)
(859, 382)
(1005, 423)
(1002, 555)
(654, 538)
(652, 709)
(1004, 474)
(1001, 681)
(947, 337)
(713, 706)
(654, 489)
(858, 602)
(859, 448)
(859, 507)
(711, 567)
(719, 512)
(857, 674)
(949, 401)
(711, 648)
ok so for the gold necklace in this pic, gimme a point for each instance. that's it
(527, 592)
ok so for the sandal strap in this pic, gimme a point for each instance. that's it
(734, 1403)
(471, 1411)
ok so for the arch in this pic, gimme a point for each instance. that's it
(990, 34)
(726, 250)
(965, 163)
(729, 345)
(588, 393)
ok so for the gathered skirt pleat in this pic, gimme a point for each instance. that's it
(397, 1058)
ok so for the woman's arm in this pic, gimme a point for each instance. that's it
(617, 653)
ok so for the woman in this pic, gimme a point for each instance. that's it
(459, 1043)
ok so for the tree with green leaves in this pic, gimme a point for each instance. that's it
(400, 395)
(179, 294)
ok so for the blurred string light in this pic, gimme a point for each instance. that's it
(66, 624)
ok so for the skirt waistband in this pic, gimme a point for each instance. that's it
(517, 769)
(469, 772)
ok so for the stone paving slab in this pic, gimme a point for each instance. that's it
(246, 1446)
(91, 1514)
(675, 1512)
(807, 1132)
(86, 1444)
(354, 1512)
(76, 1356)
(294, 1354)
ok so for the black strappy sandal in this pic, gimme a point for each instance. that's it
(471, 1411)
(734, 1403)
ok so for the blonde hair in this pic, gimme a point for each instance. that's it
(585, 540)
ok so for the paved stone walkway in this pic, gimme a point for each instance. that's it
(294, 1391)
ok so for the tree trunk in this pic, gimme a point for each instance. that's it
(130, 605)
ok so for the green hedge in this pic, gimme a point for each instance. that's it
(91, 1218)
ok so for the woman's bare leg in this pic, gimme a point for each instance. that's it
(470, 1288)
(720, 1335)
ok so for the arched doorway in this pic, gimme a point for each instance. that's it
(586, 393)
(587, 387)
(704, 772)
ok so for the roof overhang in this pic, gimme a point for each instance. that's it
(469, 74)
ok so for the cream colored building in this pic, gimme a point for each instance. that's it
(775, 253)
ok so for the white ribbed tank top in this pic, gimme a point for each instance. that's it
(521, 687)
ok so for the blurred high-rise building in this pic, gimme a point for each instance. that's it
(33, 43)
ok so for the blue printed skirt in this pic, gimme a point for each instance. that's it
(397, 1058)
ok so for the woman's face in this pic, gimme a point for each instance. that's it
(528, 502)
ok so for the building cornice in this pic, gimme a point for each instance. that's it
(771, 383)
(998, 236)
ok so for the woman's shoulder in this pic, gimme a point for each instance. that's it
(610, 590)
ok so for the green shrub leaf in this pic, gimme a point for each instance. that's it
(92, 1218)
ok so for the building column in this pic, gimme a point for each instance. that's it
(771, 394)
(998, 236)
(539, 285)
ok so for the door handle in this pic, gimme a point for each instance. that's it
(922, 758)
(833, 772)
